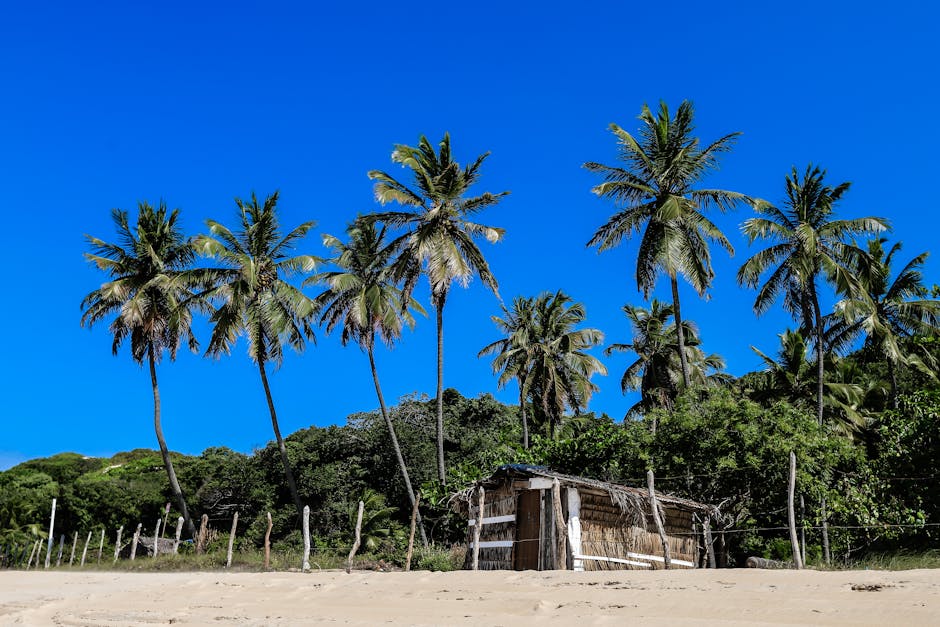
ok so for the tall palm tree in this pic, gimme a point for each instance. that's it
(806, 242)
(439, 241)
(889, 311)
(362, 297)
(514, 351)
(657, 190)
(151, 294)
(256, 300)
(560, 368)
(656, 372)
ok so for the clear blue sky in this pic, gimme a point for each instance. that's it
(106, 104)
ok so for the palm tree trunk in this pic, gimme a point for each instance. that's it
(439, 307)
(394, 438)
(167, 462)
(525, 422)
(820, 373)
(291, 484)
(680, 333)
(893, 373)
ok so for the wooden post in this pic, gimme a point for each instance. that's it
(709, 544)
(101, 545)
(201, 538)
(478, 527)
(231, 541)
(74, 543)
(166, 518)
(267, 543)
(117, 544)
(32, 553)
(58, 560)
(305, 565)
(803, 529)
(156, 537)
(794, 544)
(561, 529)
(411, 534)
(135, 541)
(179, 532)
(85, 550)
(654, 506)
(355, 546)
(51, 537)
(825, 530)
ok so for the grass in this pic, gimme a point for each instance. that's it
(895, 561)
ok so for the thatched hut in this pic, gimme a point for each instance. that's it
(602, 526)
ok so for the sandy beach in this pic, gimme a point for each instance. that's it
(488, 598)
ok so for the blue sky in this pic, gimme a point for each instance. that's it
(106, 104)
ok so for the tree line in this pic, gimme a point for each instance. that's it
(249, 280)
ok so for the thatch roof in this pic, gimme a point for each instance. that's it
(629, 499)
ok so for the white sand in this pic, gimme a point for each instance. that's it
(744, 597)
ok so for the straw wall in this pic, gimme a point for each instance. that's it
(497, 502)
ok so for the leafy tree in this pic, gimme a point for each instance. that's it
(256, 299)
(151, 296)
(890, 310)
(656, 372)
(806, 243)
(514, 353)
(362, 297)
(656, 188)
(561, 369)
(440, 238)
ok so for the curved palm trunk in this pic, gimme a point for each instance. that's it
(525, 422)
(291, 484)
(820, 373)
(395, 445)
(439, 307)
(680, 333)
(167, 462)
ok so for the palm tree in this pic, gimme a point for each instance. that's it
(151, 296)
(256, 300)
(440, 239)
(560, 369)
(889, 311)
(514, 352)
(656, 372)
(363, 299)
(806, 241)
(847, 395)
(656, 188)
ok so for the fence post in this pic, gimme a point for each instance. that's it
(135, 541)
(74, 543)
(355, 546)
(654, 506)
(85, 550)
(411, 534)
(32, 553)
(803, 529)
(101, 545)
(203, 530)
(117, 544)
(709, 543)
(179, 532)
(478, 527)
(231, 541)
(267, 544)
(305, 565)
(156, 536)
(51, 537)
(794, 544)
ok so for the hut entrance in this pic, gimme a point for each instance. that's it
(528, 524)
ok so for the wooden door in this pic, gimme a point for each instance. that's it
(528, 524)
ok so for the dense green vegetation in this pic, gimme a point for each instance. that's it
(852, 391)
